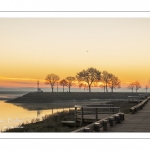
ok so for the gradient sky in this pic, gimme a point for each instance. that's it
(31, 48)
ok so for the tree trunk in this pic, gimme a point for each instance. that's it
(57, 87)
(52, 89)
(132, 90)
(112, 89)
(63, 88)
(106, 88)
(89, 88)
(69, 88)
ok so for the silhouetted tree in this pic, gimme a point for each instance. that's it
(63, 83)
(102, 86)
(137, 85)
(131, 86)
(105, 79)
(114, 82)
(89, 76)
(70, 82)
(51, 79)
(84, 85)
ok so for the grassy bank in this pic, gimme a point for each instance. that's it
(48, 97)
(53, 123)
(48, 100)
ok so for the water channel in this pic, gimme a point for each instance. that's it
(12, 116)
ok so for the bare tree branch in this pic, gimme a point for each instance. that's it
(51, 79)
(89, 76)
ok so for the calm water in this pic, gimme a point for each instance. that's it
(12, 115)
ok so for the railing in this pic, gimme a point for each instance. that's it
(102, 124)
(82, 110)
(139, 106)
(132, 99)
(143, 96)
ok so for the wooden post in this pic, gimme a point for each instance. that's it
(121, 116)
(111, 119)
(97, 127)
(116, 118)
(104, 125)
(86, 129)
(75, 114)
(96, 114)
(81, 115)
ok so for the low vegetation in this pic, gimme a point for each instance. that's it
(52, 123)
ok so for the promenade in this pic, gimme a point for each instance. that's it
(138, 122)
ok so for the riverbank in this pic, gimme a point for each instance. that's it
(52, 123)
(48, 97)
(48, 100)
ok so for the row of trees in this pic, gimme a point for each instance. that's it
(88, 78)
(136, 85)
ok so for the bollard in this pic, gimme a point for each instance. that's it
(132, 110)
(117, 118)
(104, 125)
(97, 127)
(121, 115)
(111, 119)
(86, 129)
(135, 109)
(141, 105)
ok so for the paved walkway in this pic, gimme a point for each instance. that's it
(138, 122)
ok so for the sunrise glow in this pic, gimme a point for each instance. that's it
(31, 48)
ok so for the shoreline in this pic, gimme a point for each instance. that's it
(48, 97)
(52, 123)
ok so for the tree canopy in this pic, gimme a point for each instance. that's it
(69, 81)
(114, 82)
(89, 76)
(63, 83)
(51, 79)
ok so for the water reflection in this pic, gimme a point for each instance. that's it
(12, 116)
(38, 112)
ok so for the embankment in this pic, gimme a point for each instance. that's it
(48, 97)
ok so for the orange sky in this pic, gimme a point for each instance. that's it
(31, 48)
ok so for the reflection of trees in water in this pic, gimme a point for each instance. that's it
(39, 112)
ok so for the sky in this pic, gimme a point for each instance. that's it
(31, 48)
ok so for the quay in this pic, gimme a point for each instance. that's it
(137, 120)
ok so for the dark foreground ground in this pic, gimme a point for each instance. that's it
(52, 123)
